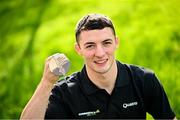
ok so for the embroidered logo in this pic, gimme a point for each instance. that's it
(90, 113)
(125, 105)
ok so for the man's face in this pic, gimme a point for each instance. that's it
(97, 47)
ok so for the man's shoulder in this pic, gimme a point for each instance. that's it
(139, 73)
(142, 75)
(139, 70)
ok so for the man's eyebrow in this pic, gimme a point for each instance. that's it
(107, 40)
(89, 43)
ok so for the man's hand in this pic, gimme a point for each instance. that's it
(48, 76)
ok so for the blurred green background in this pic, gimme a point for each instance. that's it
(30, 31)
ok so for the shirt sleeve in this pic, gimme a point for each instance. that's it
(56, 108)
(157, 103)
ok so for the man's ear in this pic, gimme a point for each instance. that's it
(77, 48)
(117, 42)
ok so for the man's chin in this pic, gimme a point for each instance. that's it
(102, 71)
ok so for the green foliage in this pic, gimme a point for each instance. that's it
(32, 30)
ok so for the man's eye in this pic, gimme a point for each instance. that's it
(89, 46)
(107, 43)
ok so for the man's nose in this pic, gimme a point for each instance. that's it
(100, 52)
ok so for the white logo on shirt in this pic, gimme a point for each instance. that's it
(91, 113)
(125, 105)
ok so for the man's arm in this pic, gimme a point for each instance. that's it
(157, 103)
(36, 107)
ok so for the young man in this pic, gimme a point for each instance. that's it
(104, 88)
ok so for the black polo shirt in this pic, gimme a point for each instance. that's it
(132, 97)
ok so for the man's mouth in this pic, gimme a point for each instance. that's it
(101, 62)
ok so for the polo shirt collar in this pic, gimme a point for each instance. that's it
(121, 80)
(86, 83)
(123, 77)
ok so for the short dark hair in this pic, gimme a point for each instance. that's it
(91, 22)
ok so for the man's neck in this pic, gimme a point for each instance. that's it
(104, 80)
